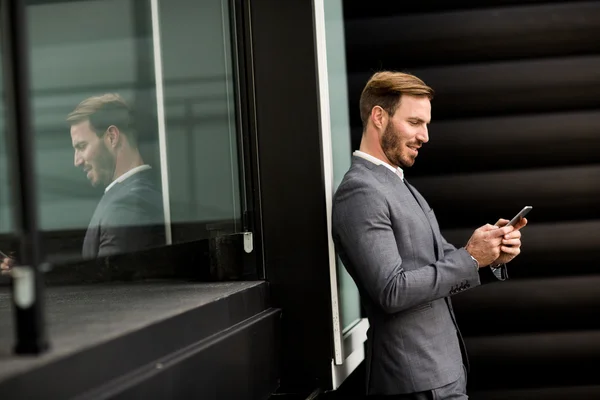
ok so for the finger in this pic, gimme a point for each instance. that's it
(500, 231)
(488, 227)
(521, 223)
(513, 235)
(511, 242)
(502, 222)
(514, 251)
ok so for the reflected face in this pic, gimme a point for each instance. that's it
(92, 154)
(406, 131)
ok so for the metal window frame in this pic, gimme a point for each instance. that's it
(28, 287)
(348, 348)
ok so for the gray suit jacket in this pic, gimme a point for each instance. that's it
(405, 271)
(128, 218)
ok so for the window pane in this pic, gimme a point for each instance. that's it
(199, 102)
(340, 142)
(7, 242)
(5, 215)
(115, 173)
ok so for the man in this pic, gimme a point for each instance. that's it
(129, 216)
(389, 240)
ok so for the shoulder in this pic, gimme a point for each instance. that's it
(358, 179)
(360, 192)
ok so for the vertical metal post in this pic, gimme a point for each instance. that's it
(162, 124)
(27, 285)
(327, 154)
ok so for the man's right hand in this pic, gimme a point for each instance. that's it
(484, 244)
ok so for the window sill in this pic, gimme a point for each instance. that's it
(100, 333)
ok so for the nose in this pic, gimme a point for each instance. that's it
(423, 134)
(78, 161)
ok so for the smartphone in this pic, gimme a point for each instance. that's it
(520, 215)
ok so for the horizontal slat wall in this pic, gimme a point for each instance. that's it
(560, 250)
(360, 10)
(557, 194)
(516, 121)
(474, 35)
(505, 88)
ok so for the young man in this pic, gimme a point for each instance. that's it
(389, 240)
(129, 216)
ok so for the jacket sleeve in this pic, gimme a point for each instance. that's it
(486, 274)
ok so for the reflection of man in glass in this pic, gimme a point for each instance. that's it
(129, 216)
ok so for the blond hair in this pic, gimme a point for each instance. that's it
(104, 111)
(385, 88)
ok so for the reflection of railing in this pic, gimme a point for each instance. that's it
(121, 86)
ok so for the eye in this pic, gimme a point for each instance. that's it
(413, 123)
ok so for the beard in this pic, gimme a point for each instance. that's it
(394, 148)
(105, 166)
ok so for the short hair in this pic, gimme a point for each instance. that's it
(104, 111)
(385, 88)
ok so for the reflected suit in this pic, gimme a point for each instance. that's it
(128, 218)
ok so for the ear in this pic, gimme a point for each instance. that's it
(379, 117)
(113, 135)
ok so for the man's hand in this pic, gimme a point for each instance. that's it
(485, 243)
(6, 265)
(511, 243)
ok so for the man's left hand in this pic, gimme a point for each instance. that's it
(511, 243)
(6, 265)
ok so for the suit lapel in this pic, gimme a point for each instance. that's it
(422, 205)
(417, 207)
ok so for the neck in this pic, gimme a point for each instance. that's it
(127, 162)
(370, 144)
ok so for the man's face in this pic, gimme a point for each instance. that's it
(92, 154)
(406, 131)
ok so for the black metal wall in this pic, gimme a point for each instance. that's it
(516, 121)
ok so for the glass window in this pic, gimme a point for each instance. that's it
(6, 221)
(6, 224)
(5, 215)
(200, 118)
(350, 309)
(136, 138)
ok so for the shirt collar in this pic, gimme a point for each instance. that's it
(127, 175)
(398, 171)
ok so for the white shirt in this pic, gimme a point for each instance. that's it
(127, 175)
(398, 171)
